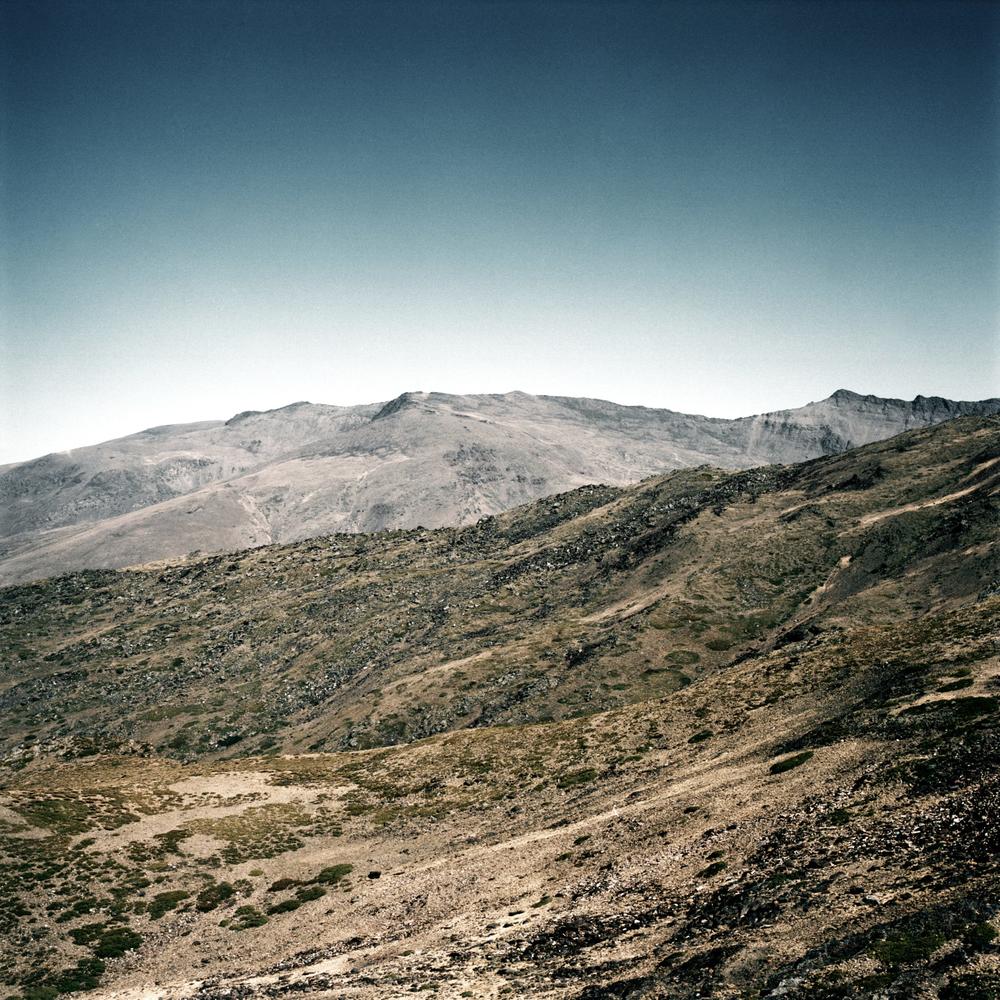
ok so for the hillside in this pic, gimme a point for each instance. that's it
(425, 459)
(712, 735)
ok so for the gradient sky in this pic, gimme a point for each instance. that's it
(721, 208)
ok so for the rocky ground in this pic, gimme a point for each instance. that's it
(715, 735)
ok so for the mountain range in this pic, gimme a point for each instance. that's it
(728, 734)
(423, 459)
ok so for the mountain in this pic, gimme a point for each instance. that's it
(716, 734)
(422, 459)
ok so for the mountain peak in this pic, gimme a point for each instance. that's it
(403, 400)
(246, 414)
(393, 406)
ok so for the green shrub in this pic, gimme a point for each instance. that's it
(904, 948)
(163, 902)
(718, 645)
(571, 778)
(973, 986)
(246, 917)
(115, 942)
(310, 892)
(961, 708)
(87, 933)
(979, 936)
(212, 895)
(86, 975)
(332, 874)
(170, 841)
(682, 656)
(964, 682)
(39, 993)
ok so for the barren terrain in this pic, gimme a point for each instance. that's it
(713, 735)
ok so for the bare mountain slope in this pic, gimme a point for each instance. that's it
(728, 735)
(423, 459)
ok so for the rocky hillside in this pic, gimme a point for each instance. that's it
(423, 459)
(713, 735)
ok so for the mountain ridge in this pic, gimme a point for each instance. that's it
(422, 458)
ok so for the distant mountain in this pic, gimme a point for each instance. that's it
(423, 459)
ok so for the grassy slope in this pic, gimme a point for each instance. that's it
(791, 777)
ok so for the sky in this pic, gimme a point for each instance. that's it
(722, 208)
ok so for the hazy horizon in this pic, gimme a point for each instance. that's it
(322, 402)
(721, 208)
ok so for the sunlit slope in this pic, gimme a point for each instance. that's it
(823, 815)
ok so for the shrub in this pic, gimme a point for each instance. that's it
(332, 874)
(212, 895)
(39, 993)
(964, 682)
(87, 933)
(115, 942)
(571, 778)
(980, 936)
(718, 645)
(246, 917)
(163, 902)
(310, 892)
(86, 975)
(961, 708)
(973, 986)
(904, 948)
(683, 656)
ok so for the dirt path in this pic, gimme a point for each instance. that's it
(993, 481)
(630, 606)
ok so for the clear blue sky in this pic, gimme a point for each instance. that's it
(723, 208)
